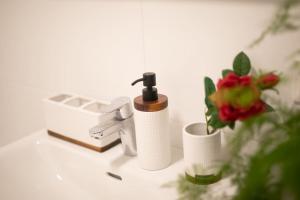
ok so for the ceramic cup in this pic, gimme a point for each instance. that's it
(201, 151)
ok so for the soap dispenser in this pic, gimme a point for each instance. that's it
(152, 126)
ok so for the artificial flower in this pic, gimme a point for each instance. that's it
(267, 81)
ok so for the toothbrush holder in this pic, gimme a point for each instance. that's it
(70, 117)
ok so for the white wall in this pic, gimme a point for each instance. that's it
(98, 47)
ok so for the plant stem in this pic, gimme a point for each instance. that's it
(207, 131)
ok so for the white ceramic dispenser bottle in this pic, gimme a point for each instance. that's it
(152, 126)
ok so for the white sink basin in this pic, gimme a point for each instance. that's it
(42, 167)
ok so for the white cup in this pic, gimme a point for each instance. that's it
(201, 151)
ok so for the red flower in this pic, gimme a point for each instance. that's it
(238, 97)
(267, 81)
(245, 80)
(227, 113)
(230, 80)
(257, 108)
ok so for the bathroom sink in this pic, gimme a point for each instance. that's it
(43, 167)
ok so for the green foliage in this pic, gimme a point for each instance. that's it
(210, 107)
(209, 90)
(212, 112)
(214, 120)
(209, 86)
(241, 64)
(271, 170)
(284, 20)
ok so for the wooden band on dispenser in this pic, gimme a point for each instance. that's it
(151, 106)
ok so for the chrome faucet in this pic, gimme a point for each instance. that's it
(117, 117)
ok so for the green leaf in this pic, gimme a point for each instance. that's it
(215, 122)
(210, 106)
(241, 64)
(209, 89)
(209, 86)
(225, 72)
(269, 108)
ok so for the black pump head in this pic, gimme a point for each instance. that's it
(150, 92)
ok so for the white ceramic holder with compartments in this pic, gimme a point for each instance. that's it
(70, 117)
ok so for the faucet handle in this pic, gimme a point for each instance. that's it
(121, 106)
(100, 131)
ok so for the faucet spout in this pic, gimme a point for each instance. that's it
(120, 120)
